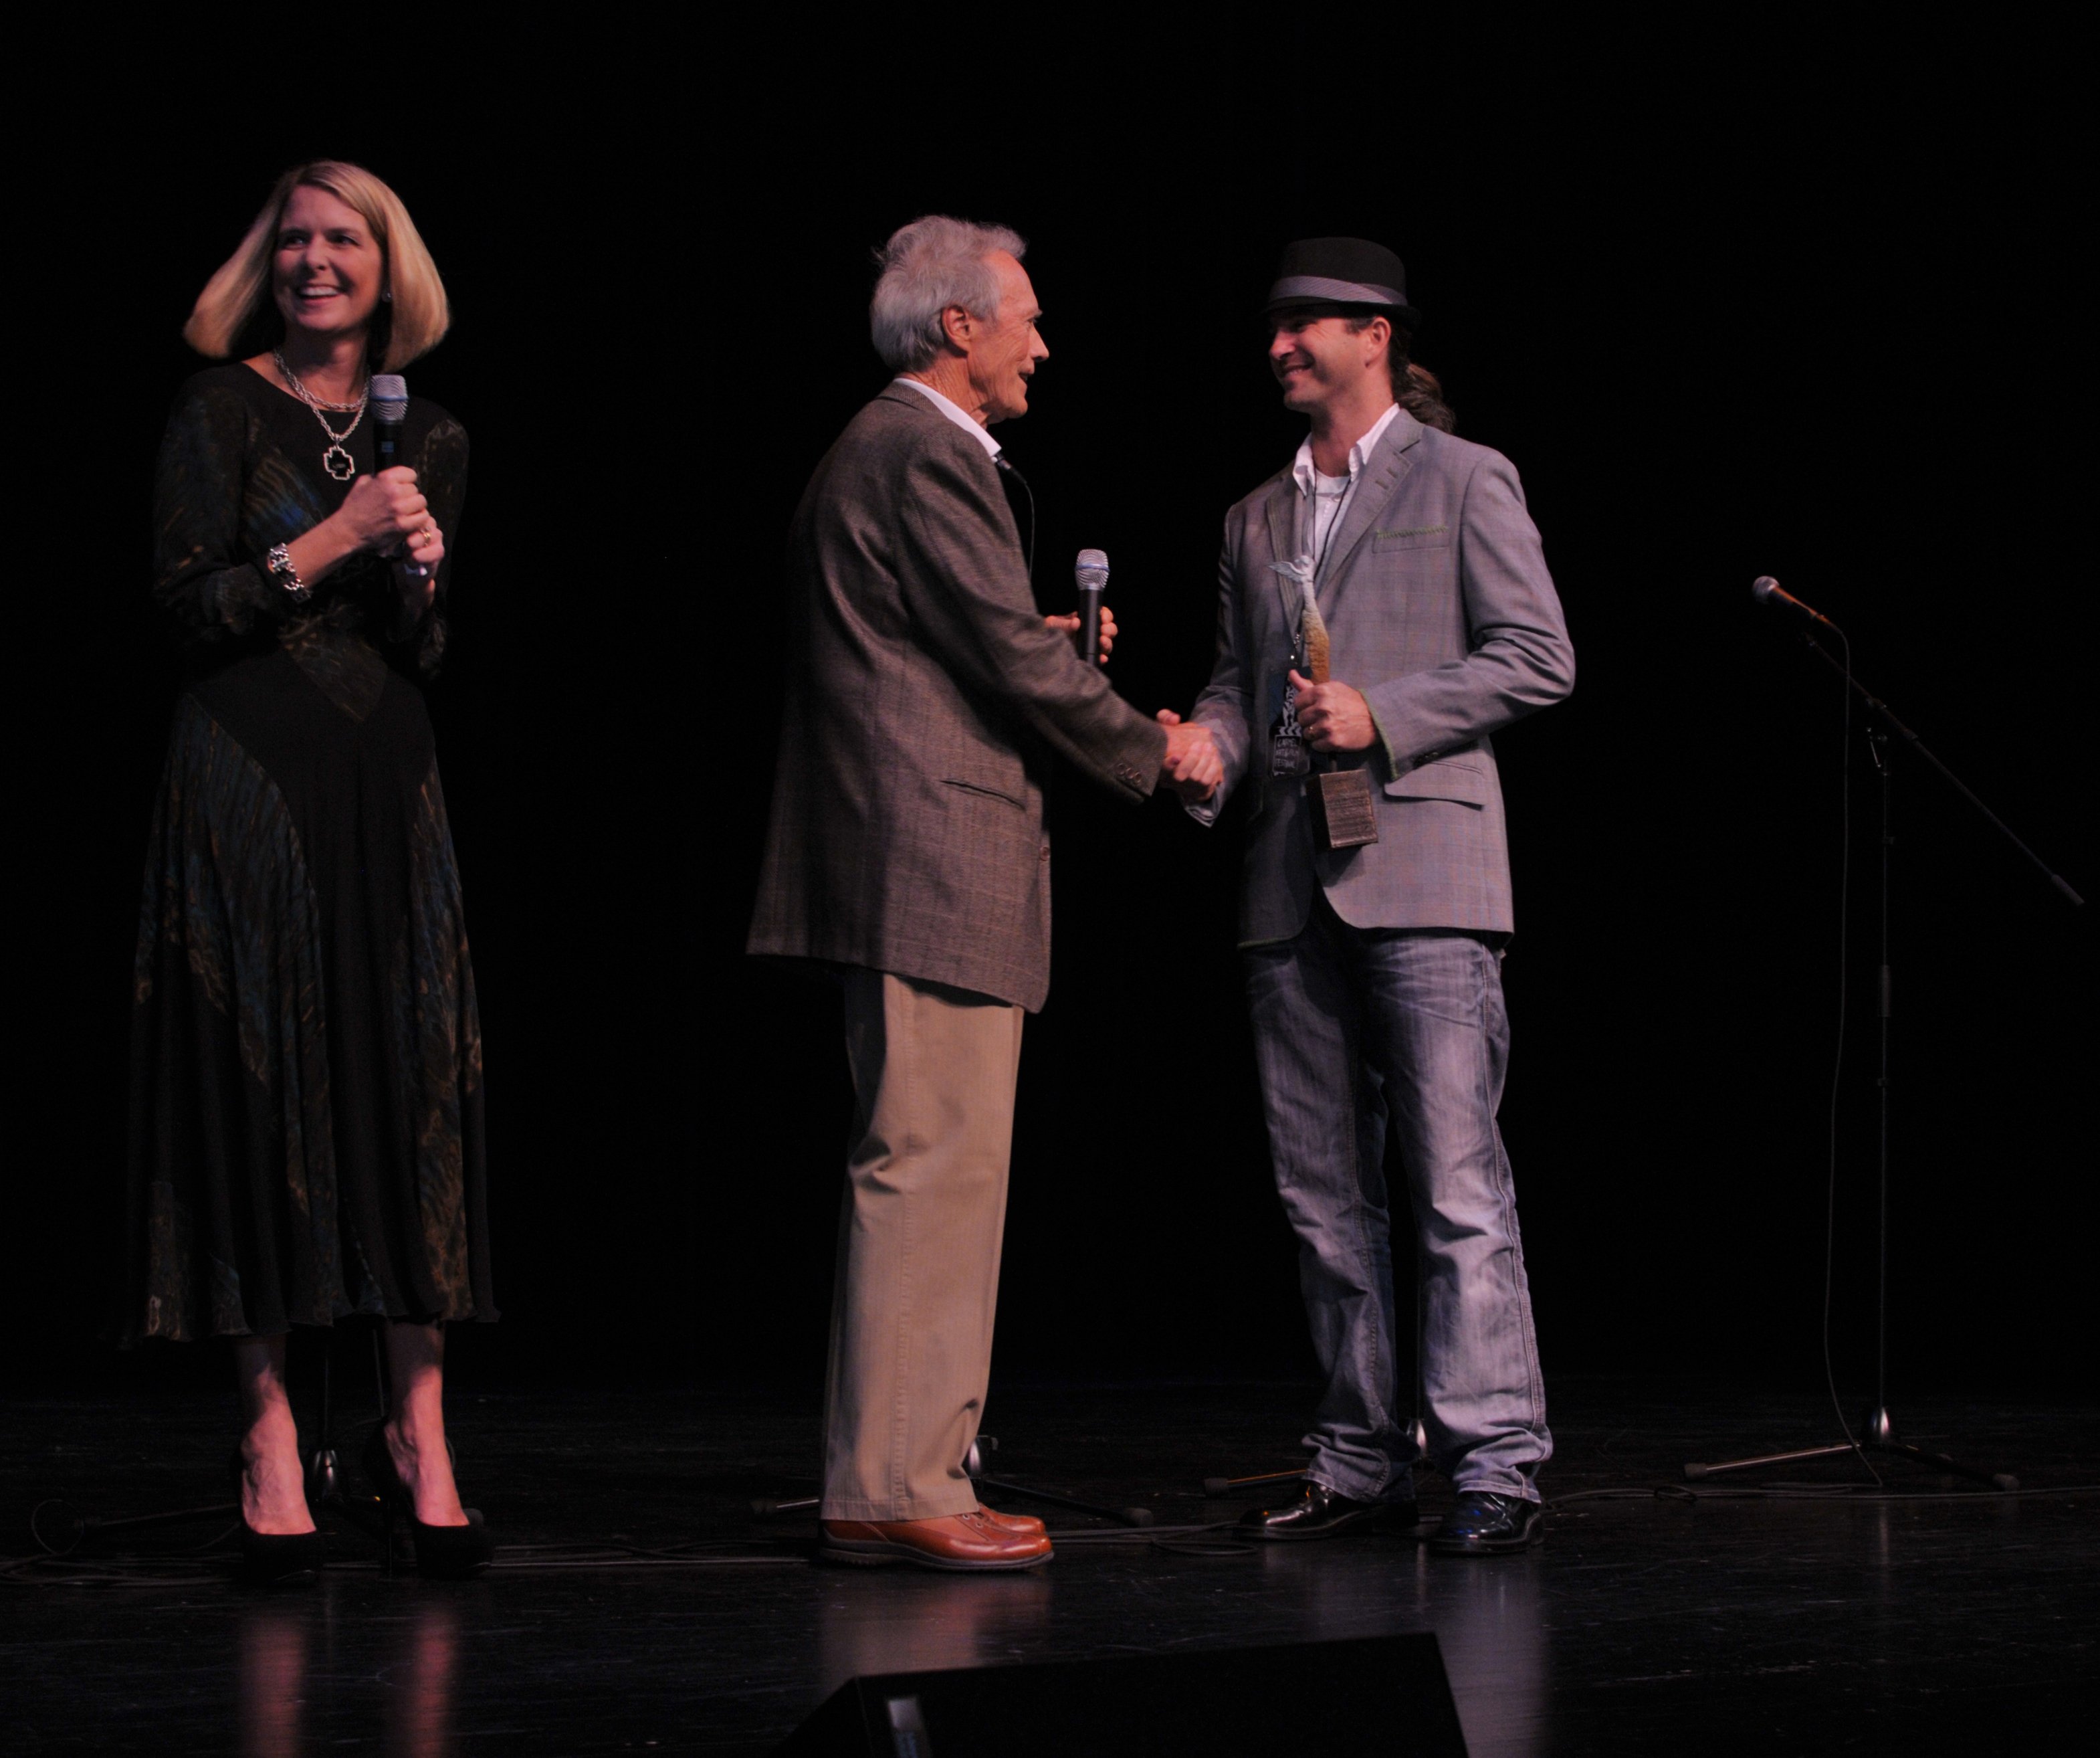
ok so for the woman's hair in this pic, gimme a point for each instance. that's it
(1414, 388)
(236, 309)
(926, 267)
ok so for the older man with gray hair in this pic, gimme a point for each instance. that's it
(924, 697)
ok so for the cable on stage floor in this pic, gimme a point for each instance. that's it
(189, 1566)
(1809, 1492)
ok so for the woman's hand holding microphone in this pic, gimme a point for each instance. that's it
(384, 514)
(389, 515)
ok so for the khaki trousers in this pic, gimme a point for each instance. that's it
(919, 1233)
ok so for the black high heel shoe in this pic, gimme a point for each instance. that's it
(276, 1559)
(443, 1553)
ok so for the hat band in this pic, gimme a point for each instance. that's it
(1341, 292)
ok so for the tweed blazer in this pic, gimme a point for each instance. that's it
(1440, 609)
(922, 695)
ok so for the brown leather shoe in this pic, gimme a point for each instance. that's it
(966, 1542)
(1026, 1524)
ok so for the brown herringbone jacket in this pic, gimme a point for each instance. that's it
(922, 695)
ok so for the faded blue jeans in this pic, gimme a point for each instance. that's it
(1356, 1029)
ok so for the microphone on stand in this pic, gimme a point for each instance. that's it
(1092, 573)
(1768, 591)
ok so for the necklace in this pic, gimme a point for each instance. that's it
(336, 461)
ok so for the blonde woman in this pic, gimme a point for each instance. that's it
(307, 1098)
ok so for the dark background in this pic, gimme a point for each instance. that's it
(1733, 305)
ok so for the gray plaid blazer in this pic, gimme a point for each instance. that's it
(922, 696)
(1440, 611)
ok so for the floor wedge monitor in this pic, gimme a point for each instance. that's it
(1383, 1694)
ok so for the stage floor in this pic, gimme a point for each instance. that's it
(1941, 1619)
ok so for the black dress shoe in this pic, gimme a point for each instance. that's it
(1484, 1524)
(1320, 1514)
(280, 1559)
(276, 1559)
(443, 1553)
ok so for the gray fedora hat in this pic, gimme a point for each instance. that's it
(1342, 271)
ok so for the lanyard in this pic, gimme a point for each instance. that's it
(1326, 539)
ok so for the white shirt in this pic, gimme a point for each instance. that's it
(1330, 496)
(976, 429)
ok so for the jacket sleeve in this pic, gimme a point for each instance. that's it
(1226, 704)
(966, 591)
(1520, 659)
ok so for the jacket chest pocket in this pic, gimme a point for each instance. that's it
(1400, 539)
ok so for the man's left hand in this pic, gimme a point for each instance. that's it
(1334, 717)
(1070, 626)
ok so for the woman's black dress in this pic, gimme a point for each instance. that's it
(305, 1081)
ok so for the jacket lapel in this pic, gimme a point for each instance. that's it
(1383, 474)
(1282, 511)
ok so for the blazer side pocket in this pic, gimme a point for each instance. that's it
(1462, 782)
(988, 791)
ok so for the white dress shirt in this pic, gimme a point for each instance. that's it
(1328, 496)
(975, 429)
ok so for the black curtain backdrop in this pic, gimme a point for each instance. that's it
(1728, 317)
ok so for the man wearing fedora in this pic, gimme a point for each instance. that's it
(1386, 609)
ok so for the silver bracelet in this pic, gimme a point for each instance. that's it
(279, 562)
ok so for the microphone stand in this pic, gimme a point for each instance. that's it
(1887, 716)
(1881, 1433)
(59, 1529)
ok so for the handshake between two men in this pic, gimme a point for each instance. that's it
(1332, 716)
(905, 854)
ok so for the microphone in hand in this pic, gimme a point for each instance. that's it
(389, 395)
(1069, 624)
(1092, 571)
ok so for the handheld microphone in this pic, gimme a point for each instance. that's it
(1092, 571)
(389, 393)
(1768, 591)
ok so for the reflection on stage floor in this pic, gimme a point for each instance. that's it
(641, 1605)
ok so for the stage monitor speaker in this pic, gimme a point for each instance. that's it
(1382, 1694)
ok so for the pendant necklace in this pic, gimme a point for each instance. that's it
(336, 461)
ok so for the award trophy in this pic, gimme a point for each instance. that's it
(1344, 815)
